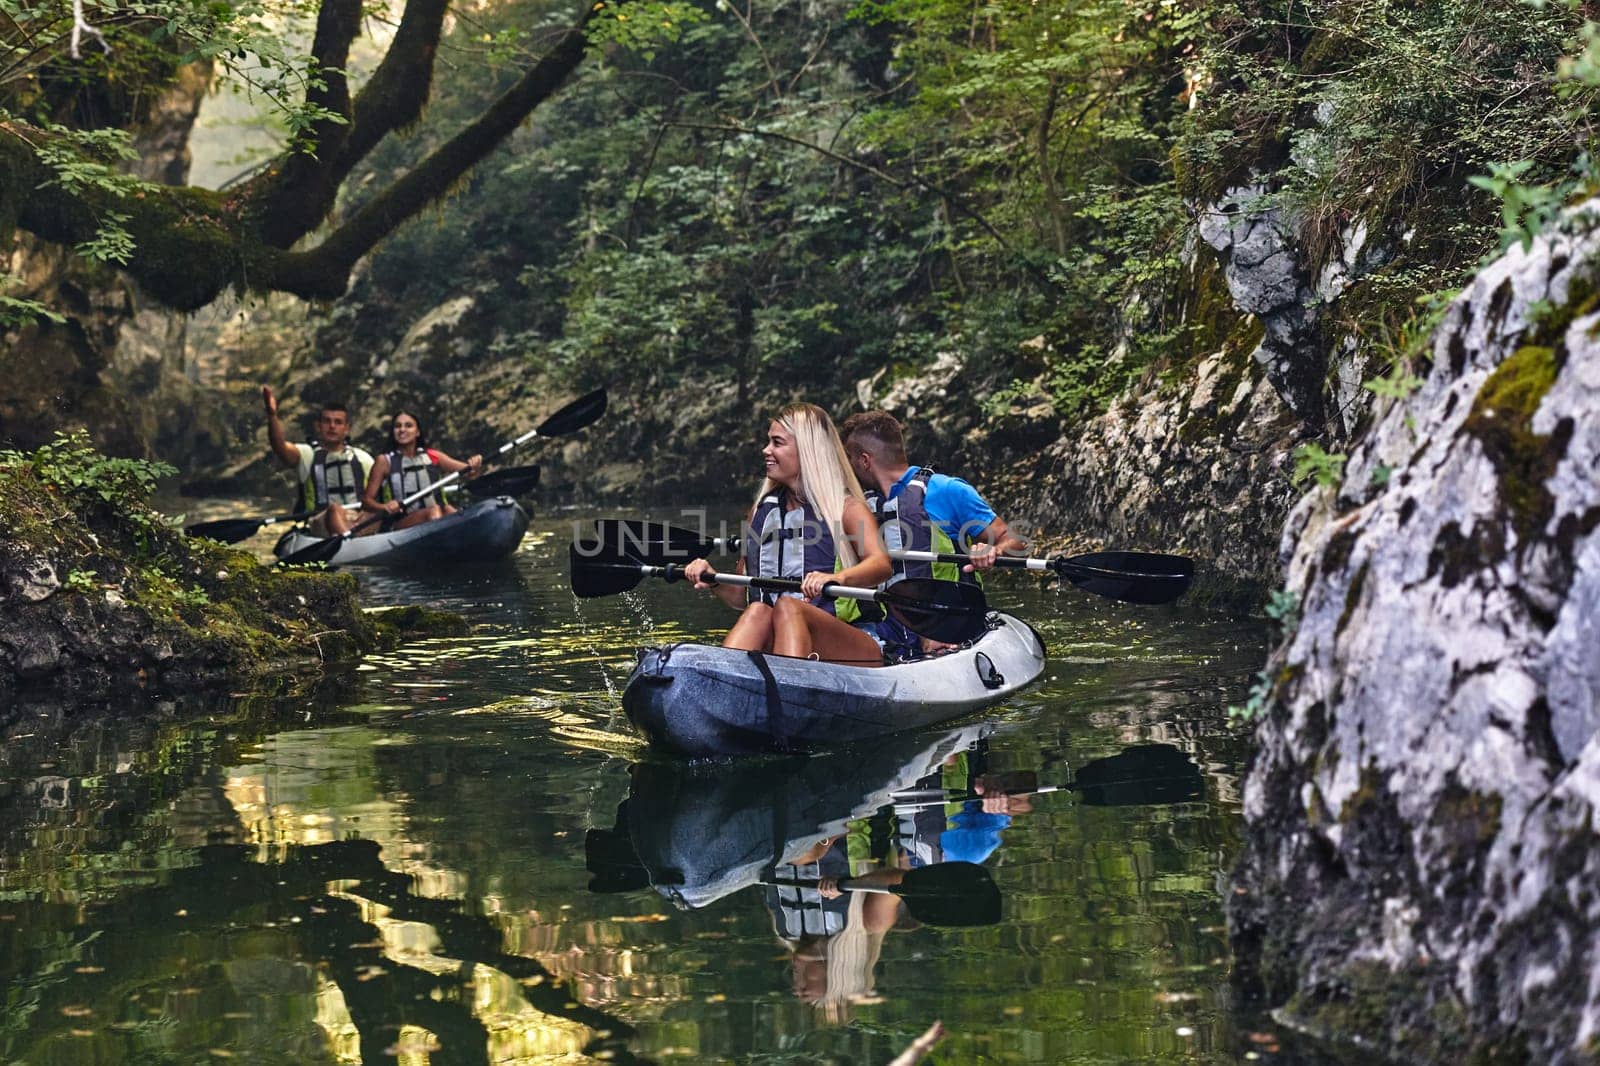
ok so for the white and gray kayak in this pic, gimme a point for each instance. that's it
(698, 700)
(481, 531)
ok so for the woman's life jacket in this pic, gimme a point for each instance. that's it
(412, 474)
(791, 544)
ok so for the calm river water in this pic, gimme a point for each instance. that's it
(447, 857)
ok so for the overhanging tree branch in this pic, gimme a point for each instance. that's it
(323, 271)
(293, 199)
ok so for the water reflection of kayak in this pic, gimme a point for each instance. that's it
(481, 531)
(698, 700)
(698, 836)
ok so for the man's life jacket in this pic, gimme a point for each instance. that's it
(339, 480)
(905, 526)
(409, 475)
(791, 544)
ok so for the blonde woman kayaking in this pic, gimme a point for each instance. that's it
(810, 522)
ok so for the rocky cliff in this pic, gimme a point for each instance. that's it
(1421, 855)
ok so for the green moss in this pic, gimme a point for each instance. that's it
(1472, 819)
(1502, 421)
(1363, 797)
(1409, 1011)
(418, 621)
(152, 599)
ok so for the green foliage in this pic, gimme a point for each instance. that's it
(80, 580)
(18, 311)
(643, 27)
(72, 464)
(1525, 210)
(1397, 386)
(1256, 701)
(1283, 607)
(1312, 461)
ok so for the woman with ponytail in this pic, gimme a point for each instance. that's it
(810, 522)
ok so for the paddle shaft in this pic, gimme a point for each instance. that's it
(1058, 564)
(963, 797)
(673, 572)
(845, 885)
(447, 480)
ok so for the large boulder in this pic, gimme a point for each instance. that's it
(1421, 867)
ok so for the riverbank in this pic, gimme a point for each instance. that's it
(103, 596)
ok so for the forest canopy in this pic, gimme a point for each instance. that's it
(78, 77)
(742, 187)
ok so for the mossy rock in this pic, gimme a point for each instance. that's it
(100, 593)
(1502, 421)
(415, 620)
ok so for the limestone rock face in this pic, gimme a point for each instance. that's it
(1264, 263)
(1202, 470)
(1421, 855)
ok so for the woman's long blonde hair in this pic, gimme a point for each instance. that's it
(826, 479)
(852, 957)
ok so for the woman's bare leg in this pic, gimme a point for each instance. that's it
(753, 630)
(416, 518)
(801, 630)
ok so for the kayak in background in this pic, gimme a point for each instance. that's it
(481, 531)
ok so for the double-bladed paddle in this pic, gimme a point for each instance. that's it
(945, 611)
(233, 530)
(946, 893)
(509, 481)
(584, 411)
(1142, 775)
(512, 481)
(1132, 577)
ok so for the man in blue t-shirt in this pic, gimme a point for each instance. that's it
(960, 519)
(875, 444)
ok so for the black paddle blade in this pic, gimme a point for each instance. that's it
(951, 612)
(655, 543)
(597, 572)
(510, 481)
(609, 855)
(320, 552)
(583, 411)
(1132, 577)
(227, 530)
(950, 894)
(1143, 775)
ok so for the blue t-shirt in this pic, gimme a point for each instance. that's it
(973, 834)
(952, 505)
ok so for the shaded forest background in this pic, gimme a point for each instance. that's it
(987, 215)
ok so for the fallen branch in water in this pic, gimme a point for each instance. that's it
(920, 1046)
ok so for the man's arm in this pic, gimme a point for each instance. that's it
(287, 453)
(976, 522)
(995, 540)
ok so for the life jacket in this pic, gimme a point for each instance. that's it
(791, 544)
(905, 526)
(799, 910)
(408, 476)
(340, 480)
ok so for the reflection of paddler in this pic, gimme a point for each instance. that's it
(834, 937)
(962, 830)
